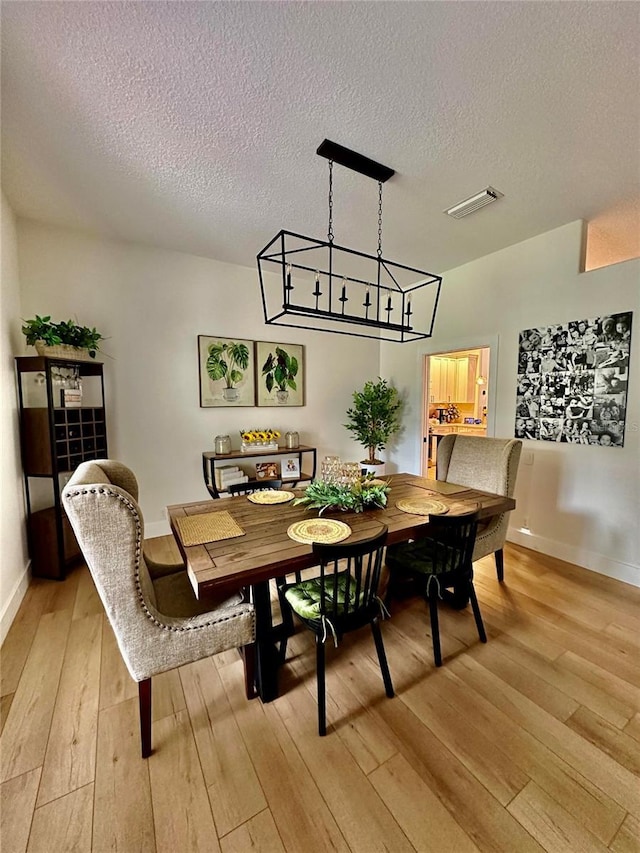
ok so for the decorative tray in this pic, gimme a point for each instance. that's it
(271, 496)
(326, 531)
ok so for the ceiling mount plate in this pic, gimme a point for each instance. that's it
(352, 160)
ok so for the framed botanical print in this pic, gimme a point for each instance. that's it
(227, 374)
(279, 374)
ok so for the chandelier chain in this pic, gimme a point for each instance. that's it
(379, 219)
(330, 231)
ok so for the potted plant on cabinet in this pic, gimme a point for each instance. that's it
(373, 419)
(280, 370)
(66, 339)
(228, 362)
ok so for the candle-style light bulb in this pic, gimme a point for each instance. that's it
(288, 276)
(344, 288)
(367, 302)
(317, 292)
(408, 310)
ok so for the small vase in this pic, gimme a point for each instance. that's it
(282, 396)
(230, 394)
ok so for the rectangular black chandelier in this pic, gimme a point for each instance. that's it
(308, 283)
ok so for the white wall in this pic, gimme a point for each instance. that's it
(151, 305)
(14, 576)
(580, 503)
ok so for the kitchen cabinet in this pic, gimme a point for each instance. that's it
(452, 380)
(434, 379)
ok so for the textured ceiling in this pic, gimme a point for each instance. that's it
(194, 125)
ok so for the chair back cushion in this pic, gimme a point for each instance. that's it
(489, 464)
(159, 628)
(109, 528)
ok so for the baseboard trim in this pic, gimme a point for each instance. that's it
(156, 528)
(14, 601)
(590, 560)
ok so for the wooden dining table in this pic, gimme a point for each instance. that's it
(265, 550)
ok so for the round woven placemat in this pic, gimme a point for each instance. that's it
(271, 496)
(326, 531)
(422, 506)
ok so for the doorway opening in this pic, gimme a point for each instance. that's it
(455, 398)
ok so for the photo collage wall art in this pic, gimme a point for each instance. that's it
(573, 380)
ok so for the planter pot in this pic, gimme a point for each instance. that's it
(230, 394)
(62, 351)
(282, 396)
(376, 470)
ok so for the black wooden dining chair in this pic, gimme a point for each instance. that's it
(239, 489)
(253, 486)
(438, 559)
(342, 598)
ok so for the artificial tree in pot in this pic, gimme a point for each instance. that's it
(374, 418)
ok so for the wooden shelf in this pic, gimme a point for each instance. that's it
(302, 452)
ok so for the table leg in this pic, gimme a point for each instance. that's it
(267, 657)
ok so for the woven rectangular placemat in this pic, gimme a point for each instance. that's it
(207, 527)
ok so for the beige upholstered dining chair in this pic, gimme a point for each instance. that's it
(489, 464)
(158, 622)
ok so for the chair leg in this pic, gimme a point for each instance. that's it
(476, 613)
(499, 556)
(249, 659)
(382, 658)
(389, 592)
(322, 700)
(432, 598)
(144, 702)
(287, 618)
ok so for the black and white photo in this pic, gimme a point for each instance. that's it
(573, 380)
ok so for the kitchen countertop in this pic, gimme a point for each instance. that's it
(446, 429)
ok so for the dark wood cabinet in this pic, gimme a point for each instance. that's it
(55, 439)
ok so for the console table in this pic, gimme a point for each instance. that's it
(306, 457)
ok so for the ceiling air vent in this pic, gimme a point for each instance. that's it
(469, 205)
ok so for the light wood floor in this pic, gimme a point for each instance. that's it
(531, 742)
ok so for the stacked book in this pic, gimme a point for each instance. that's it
(229, 475)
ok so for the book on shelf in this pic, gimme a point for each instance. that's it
(267, 471)
(71, 398)
(225, 473)
(234, 481)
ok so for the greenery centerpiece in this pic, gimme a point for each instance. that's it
(365, 493)
(66, 339)
(374, 417)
